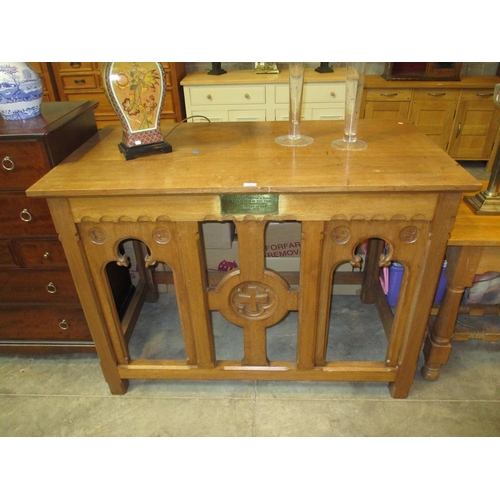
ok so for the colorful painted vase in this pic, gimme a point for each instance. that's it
(21, 91)
(136, 90)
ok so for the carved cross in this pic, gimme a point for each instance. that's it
(251, 299)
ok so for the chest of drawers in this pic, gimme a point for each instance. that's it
(244, 96)
(40, 310)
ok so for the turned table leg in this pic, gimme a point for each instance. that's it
(460, 272)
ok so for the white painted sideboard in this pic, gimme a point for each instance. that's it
(245, 96)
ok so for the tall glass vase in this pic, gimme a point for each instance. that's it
(355, 80)
(296, 84)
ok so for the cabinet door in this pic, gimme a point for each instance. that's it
(475, 126)
(433, 111)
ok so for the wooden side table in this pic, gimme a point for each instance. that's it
(473, 248)
(403, 189)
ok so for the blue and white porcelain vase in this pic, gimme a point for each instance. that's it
(21, 91)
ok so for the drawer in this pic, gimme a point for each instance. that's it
(247, 115)
(43, 323)
(388, 94)
(313, 93)
(328, 114)
(22, 163)
(227, 94)
(75, 82)
(74, 66)
(281, 115)
(479, 95)
(41, 253)
(6, 255)
(324, 93)
(23, 216)
(41, 286)
(441, 94)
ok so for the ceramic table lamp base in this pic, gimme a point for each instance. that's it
(136, 91)
(21, 91)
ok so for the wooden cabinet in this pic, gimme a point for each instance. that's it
(39, 307)
(476, 124)
(459, 116)
(80, 81)
(433, 111)
(44, 69)
(246, 96)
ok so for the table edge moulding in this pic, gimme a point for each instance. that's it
(403, 190)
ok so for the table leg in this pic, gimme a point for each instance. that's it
(419, 306)
(460, 273)
(79, 266)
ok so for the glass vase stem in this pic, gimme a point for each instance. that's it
(355, 79)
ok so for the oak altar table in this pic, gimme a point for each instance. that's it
(403, 190)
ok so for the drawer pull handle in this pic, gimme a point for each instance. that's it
(80, 80)
(47, 255)
(51, 288)
(209, 96)
(75, 64)
(63, 325)
(459, 130)
(332, 93)
(484, 95)
(26, 216)
(7, 163)
(385, 94)
(247, 96)
(436, 94)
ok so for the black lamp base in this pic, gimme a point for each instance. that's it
(324, 68)
(217, 69)
(144, 150)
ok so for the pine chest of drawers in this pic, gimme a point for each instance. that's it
(40, 311)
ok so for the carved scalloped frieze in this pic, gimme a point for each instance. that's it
(377, 217)
(125, 218)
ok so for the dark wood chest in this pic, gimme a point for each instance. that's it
(40, 311)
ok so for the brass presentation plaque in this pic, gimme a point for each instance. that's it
(258, 204)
